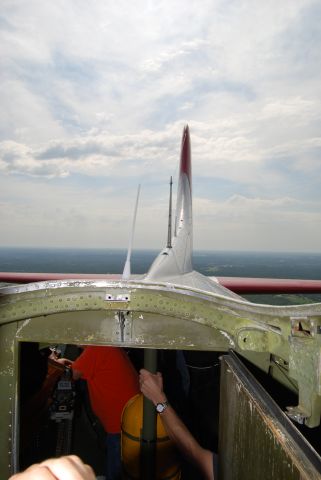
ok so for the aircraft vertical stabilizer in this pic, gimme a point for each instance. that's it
(176, 259)
(174, 263)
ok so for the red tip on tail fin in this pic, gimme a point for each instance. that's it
(185, 163)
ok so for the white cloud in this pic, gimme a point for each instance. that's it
(172, 55)
(91, 94)
(281, 224)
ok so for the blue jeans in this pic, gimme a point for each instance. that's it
(113, 469)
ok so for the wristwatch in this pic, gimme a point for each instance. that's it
(161, 407)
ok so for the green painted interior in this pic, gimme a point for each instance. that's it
(135, 314)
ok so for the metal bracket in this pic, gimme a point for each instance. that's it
(296, 415)
(124, 321)
(117, 298)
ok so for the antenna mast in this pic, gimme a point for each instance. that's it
(169, 236)
(127, 271)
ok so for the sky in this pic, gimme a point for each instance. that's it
(94, 97)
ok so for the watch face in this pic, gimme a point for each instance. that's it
(160, 407)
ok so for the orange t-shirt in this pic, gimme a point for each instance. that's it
(112, 380)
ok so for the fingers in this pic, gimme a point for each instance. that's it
(35, 472)
(69, 468)
(65, 468)
(159, 380)
(151, 385)
(147, 378)
(146, 373)
(64, 361)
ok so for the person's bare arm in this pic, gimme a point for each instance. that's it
(76, 374)
(63, 468)
(152, 387)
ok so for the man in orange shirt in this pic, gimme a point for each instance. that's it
(112, 380)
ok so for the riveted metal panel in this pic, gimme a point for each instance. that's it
(137, 314)
(257, 440)
(8, 395)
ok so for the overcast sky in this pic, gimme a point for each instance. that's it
(94, 98)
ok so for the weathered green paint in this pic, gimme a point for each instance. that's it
(136, 314)
(9, 399)
(305, 368)
(256, 439)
